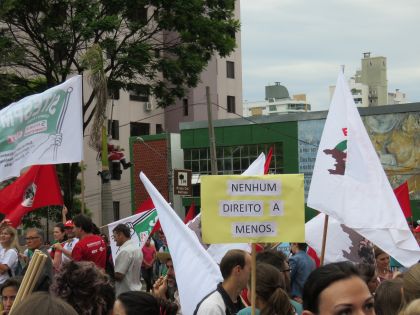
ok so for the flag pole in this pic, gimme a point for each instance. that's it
(324, 240)
(82, 168)
(253, 277)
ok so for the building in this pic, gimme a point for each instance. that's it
(295, 138)
(369, 86)
(135, 115)
(277, 101)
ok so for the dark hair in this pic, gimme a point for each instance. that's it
(122, 228)
(143, 303)
(233, 258)
(43, 303)
(84, 222)
(62, 229)
(11, 282)
(388, 297)
(270, 288)
(84, 286)
(272, 257)
(302, 246)
(323, 277)
(367, 271)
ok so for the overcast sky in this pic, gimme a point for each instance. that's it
(302, 43)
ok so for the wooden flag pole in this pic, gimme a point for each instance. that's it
(324, 240)
(253, 277)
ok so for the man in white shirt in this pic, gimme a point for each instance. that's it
(128, 261)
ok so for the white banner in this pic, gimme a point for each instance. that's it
(45, 128)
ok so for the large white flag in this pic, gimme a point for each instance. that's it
(45, 128)
(196, 272)
(349, 183)
(140, 224)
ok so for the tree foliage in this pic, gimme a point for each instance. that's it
(163, 44)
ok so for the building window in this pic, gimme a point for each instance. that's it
(115, 170)
(185, 106)
(139, 129)
(272, 108)
(231, 104)
(233, 159)
(114, 129)
(139, 93)
(159, 128)
(113, 93)
(230, 69)
(116, 207)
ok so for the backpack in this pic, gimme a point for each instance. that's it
(18, 269)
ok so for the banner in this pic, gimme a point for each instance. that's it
(350, 185)
(140, 226)
(45, 128)
(242, 209)
(36, 188)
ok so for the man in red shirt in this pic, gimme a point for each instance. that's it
(90, 247)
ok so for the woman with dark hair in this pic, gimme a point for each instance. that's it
(85, 287)
(142, 303)
(336, 289)
(60, 237)
(383, 268)
(270, 296)
(369, 275)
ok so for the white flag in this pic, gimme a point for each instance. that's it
(349, 183)
(196, 272)
(45, 128)
(140, 224)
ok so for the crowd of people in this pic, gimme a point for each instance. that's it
(81, 277)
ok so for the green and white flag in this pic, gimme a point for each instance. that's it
(45, 128)
(141, 225)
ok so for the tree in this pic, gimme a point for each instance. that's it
(163, 45)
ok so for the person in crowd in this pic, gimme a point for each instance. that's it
(382, 260)
(301, 265)
(369, 274)
(45, 304)
(87, 288)
(411, 284)
(35, 240)
(270, 295)
(337, 288)
(90, 247)
(416, 233)
(279, 260)
(8, 293)
(142, 303)
(59, 234)
(109, 266)
(67, 246)
(149, 257)
(127, 262)
(412, 309)
(166, 287)
(235, 267)
(9, 257)
(388, 297)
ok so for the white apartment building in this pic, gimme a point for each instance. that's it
(277, 101)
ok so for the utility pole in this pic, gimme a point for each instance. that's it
(212, 138)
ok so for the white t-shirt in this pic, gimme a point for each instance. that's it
(8, 257)
(68, 245)
(128, 263)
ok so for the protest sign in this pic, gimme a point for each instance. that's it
(237, 208)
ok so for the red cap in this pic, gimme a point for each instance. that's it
(417, 229)
(69, 223)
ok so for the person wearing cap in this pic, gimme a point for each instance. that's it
(67, 247)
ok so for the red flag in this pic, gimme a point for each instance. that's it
(146, 206)
(190, 214)
(268, 160)
(36, 188)
(403, 197)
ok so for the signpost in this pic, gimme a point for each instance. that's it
(182, 182)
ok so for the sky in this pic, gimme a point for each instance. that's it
(303, 43)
